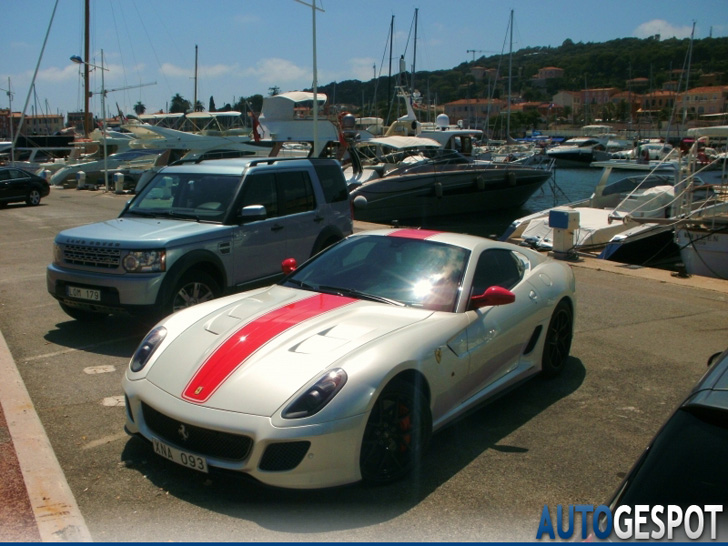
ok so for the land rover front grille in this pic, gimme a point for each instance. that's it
(211, 443)
(91, 256)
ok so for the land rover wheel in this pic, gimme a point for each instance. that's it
(194, 287)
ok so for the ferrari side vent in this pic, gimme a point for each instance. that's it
(534, 339)
(128, 409)
(211, 443)
(283, 456)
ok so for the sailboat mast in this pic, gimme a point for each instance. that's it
(414, 54)
(194, 104)
(86, 56)
(390, 98)
(510, 72)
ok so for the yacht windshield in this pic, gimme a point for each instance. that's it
(181, 195)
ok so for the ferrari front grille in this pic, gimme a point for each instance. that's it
(210, 443)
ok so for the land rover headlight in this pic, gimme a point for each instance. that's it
(57, 254)
(144, 261)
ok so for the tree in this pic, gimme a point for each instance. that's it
(179, 105)
(273, 91)
(139, 108)
(211, 108)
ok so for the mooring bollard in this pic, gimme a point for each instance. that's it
(80, 180)
(118, 183)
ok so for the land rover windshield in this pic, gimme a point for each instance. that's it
(197, 196)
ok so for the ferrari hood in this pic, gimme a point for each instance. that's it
(255, 353)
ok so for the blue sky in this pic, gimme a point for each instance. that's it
(246, 47)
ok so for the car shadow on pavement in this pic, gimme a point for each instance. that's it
(359, 505)
(109, 336)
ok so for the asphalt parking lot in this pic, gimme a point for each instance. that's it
(641, 340)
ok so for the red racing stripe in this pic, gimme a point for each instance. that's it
(227, 358)
(414, 233)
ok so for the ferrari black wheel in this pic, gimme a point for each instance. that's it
(396, 434)
(558, 340)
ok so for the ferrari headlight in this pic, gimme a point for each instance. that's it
(314, 399)
(144, 261)
(146, 348)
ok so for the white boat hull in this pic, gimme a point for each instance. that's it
(704, 251)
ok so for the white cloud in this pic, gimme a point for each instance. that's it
(55, 74)
(204, 71)
(276, 71)
(168, 69)
(663, 28)
(216, 70)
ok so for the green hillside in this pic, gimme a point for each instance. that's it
(592, 65)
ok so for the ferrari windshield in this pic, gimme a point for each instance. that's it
(196, 196)
(414, 272)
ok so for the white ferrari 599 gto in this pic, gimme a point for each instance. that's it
(344, 369)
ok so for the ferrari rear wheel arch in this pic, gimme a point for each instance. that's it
(557, 344)
(397, 432)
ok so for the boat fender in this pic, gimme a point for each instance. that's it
(480, 182)
(511, 178)
(438, 189)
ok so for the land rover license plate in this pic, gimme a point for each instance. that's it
(83, 293)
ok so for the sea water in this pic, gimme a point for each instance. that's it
(566, 186)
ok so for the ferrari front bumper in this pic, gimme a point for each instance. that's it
(312, 455)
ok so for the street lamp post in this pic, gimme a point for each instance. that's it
(10, 122)
(78, 60)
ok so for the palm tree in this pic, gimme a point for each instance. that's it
(139, 108)
(179, 104)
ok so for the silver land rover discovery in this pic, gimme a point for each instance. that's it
(199, 231)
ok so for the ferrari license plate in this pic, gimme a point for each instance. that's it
(184, 458)
(83, 293)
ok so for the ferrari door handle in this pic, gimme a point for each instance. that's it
(276, 227)
(318, 219)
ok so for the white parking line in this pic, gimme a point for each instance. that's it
(54, 506)
(76, 349)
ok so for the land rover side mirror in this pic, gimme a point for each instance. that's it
(252, 213)
(495, 295)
